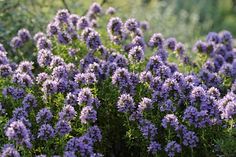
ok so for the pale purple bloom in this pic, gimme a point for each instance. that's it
(88, 114)
(172, 148)
(68, 113)
(46, 132)
(44, 116)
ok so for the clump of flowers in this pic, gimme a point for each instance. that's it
(92, 91)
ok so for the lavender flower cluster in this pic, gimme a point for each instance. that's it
(60, 100)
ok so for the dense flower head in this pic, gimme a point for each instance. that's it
(115, 29)
(73, 19)
(156, 40)
(190, 139)
(44, 116)
(49, 87)
(148, 129)
(170, 43)
(46, 132)
(17, 131)
(93, 41)
(95, 8)
(29, 101)
(131, 25)
(94, 133)
(22, 79)
(68, 113)
(44, 57)
(24, 35)
(154, 147)
(8, 150)
(136, 54)
(88, 114)
(111, 11)
(5, 70)
(44, 43)
(53, 28)
(198, 94)
(145, 104)
(170, 120)
(200, 46)
(16, 42)
(125, 103)
(83, 23)
(63, 127)
(63, 15)
(172, 148)
(213, 37)
(2, 48)
(38, 35)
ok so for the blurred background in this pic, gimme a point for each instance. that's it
(186, 20)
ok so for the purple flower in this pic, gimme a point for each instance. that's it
(56, 61)
(83, 23)
(172, 148)
(25, 67)
(148, 129)
(74, 18)
(95, 8)
(63, 15)
(17, 131)
(2, 48)
(44, 43)
(146, 76)
(115, 30)
(63, 38)
(167, 105)
(111, 11)
(145, 104)
(44, 116)
(136, 54)
(59, 72)
(42, 77)
(180, 49)
(190, 139)
(213, 37)
(170, 120)
(88, 114)
(83, 144)
(139, 41)
(154, 63)
(16, 42)
(200, 47)
(29, 101)
(85, 96)
(144, 25)
(46, 132)
(154, 147)
(170, 43)
(53, 28)
(63, 127)
(229, 110)
(39, 35)
(49, 87)
(8, 150)
(68, 113)
(93, 41)
(22, 79)
(94, 133)
(198, 95)
(5, 70)
(125, 103)
(44, 57)
(131, 25)
(156, 40)
(24, 35)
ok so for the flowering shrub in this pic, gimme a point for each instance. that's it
(82, 90)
